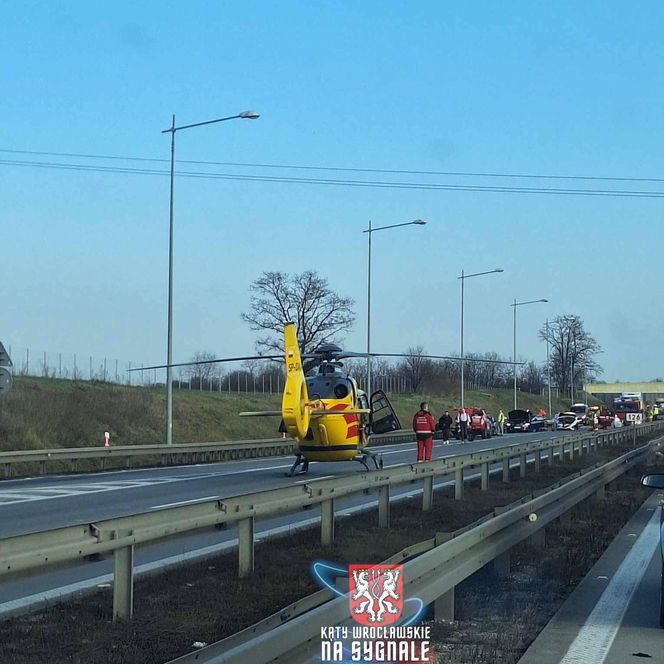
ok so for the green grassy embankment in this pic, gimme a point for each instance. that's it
(47, 412)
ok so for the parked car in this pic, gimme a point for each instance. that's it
(479, 425)
(538, 423)
(568, 421)
(656, 481)
(523, 421)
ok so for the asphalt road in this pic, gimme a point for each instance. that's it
(41, 503)
(612, 617)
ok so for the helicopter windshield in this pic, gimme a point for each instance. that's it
(328, 387)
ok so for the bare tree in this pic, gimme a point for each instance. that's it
(202, 371)
(305, 299)
(415, 367)
(573, 351)
(531, 378)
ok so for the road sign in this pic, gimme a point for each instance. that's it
(5, 360)
(5, 381)
(637, 418)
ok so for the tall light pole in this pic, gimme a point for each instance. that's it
(369, 231)
(245, 115)
(515, 305)
(548, 367)
(571, 320)
(463, 278)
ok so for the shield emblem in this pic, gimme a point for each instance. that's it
(375, 593)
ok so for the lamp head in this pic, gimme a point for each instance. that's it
(249, 115)
(419, 222)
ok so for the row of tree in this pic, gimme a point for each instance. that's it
(323, 316)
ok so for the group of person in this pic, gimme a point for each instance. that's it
(424, 427)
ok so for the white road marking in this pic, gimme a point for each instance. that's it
(594, 640)
(184, 502)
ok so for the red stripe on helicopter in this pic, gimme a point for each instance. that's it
(352, 420)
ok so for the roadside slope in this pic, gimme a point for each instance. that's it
(48, 412)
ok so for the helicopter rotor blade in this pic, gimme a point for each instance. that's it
(221, 359)
(430, 357)
(261, 413)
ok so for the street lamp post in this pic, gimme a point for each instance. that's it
(515, 305)
(369, 231)
(572, 320)
(548, 366)
(463, 278)
(247, 115)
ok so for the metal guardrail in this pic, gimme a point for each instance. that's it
(120, 535)
(434, 569)
(171, 454)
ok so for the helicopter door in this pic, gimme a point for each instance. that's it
(383, 417)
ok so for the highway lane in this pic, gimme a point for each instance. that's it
(612, 617)
(187, 481)
(40, 503)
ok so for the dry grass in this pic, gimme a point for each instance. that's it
(206, 602)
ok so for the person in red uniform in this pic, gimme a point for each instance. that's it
(424, 426)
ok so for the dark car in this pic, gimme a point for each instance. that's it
(523, 421)
(656, 481)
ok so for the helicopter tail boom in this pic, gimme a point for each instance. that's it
(295, 410)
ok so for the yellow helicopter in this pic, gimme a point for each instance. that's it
(328, 417)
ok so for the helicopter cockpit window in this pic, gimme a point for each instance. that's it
(329, 387)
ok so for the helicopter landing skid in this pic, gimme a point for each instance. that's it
(299, 461)
(365, 455)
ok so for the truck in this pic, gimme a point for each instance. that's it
(627, 405)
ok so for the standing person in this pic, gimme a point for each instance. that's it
(463, 424)
(501, 422)
(554, 423)
(445, 424)
(423, 426)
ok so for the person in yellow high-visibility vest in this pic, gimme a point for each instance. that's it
(501, 422)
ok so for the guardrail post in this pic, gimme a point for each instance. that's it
(427, 494)
(458, 484)
(384, 506)
(42, 467)
(123, 581)
(600, 494)
(245, 536)
(551, 455)
(506, 470)
(327, 522)
(501, 565)
(443, 607)
(571, 450)
(538, 460)
(8, 470)
(484, 476)
(522, 465)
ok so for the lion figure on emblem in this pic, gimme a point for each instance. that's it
(390, 580)
(362, 590)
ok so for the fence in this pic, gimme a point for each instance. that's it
(73, 366)
(202, 378)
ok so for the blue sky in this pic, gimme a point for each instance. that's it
(561, 88)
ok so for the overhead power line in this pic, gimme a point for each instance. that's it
(379, 184)
(347, 169)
